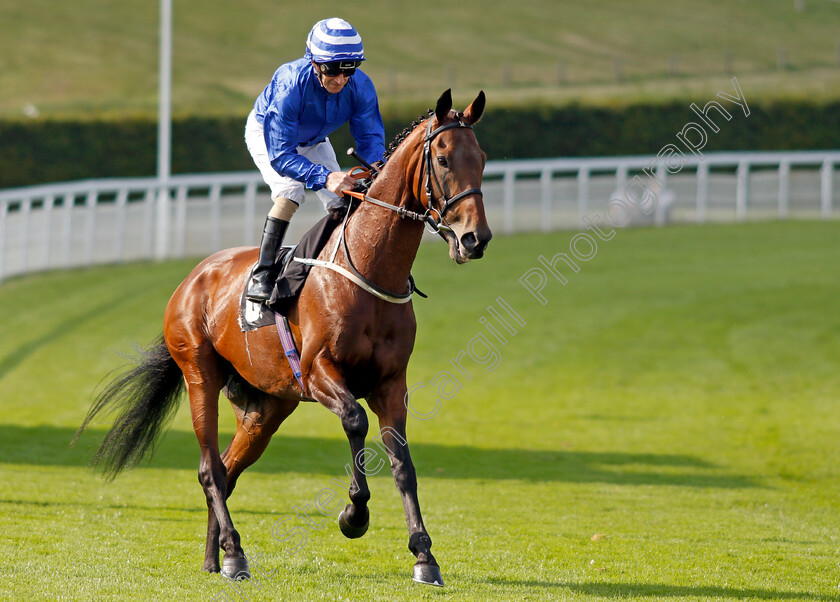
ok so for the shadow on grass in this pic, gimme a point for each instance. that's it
(186, 512)
(49, 446)
(661, 590)
(607, 589)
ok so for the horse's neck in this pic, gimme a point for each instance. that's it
(383, 245)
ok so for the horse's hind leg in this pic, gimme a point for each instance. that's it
(388, 401)
(204, 377)
(258, 416)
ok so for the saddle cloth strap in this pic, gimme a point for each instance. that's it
(289, 347)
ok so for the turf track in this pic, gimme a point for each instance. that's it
(666, 426)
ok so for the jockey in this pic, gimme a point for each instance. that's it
(286, 133)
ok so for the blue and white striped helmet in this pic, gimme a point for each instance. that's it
(334, 40)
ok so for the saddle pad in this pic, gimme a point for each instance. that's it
(293, 277)
(256, 315)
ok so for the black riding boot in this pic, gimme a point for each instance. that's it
(263, 276)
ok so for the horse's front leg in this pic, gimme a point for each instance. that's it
(388, 401)
(329, 388)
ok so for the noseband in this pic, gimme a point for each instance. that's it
(437, 224)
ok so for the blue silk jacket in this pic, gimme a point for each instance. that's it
(296, 110)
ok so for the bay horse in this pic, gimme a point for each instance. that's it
(352, 344)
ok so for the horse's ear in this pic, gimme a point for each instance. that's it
(444, 105)
(476, 109)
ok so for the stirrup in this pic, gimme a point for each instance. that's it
(254, 298)
(260, 284)
(258, 293)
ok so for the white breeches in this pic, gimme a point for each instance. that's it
(282, 186)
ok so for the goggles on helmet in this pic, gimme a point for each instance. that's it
(335, 68)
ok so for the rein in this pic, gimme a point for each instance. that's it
(435, 225)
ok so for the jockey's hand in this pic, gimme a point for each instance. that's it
(339, 181)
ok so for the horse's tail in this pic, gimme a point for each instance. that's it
(147, 395)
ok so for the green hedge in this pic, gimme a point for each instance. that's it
(46, 151)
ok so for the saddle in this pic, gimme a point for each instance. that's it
(290, 280)
(291, 276)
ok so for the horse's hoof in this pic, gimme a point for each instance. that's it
(236, 568)
(428, 574)
(349, 530)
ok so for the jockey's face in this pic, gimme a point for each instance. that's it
(332, 84)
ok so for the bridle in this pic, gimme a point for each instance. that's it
(438, 224)
(435, 225)
(427, 173)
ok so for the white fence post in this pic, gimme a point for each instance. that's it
(163, 223)
(784, 188)
(249, 223)
(509, 200)
(621, 179)
(49, 203)
(90, 229)
(149, 205)
(702, 192)
(660, 217)
(67, 229)
(545, 199)
(4, 210)
(179, 249)
(583, 192)
(742, 191)
(122, 209)
(826, 188)
(215, 217)
(26, 213)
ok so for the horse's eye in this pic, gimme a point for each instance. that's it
(442, 161)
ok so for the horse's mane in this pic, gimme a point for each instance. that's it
(398, 139)
(392, 147)
(404, 134)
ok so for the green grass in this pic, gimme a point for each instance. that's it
(92, 58)
(677, 398)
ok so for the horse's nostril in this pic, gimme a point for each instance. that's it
(473, 246)
(469, 241)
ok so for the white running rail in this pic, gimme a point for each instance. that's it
(90, 222)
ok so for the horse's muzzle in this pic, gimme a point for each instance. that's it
(474, 243)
